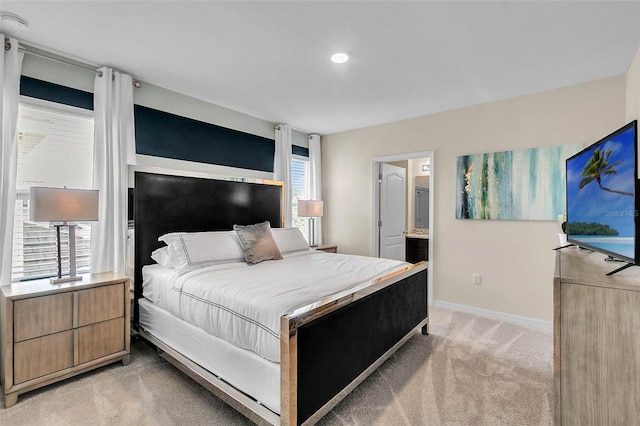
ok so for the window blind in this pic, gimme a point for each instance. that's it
(55, 148)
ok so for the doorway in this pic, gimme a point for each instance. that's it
(420, 183)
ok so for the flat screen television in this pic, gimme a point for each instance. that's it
(602, 197)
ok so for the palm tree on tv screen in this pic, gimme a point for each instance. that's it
(598, 166)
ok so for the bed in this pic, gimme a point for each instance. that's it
(305, 359)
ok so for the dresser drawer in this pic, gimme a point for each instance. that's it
(37, 357)
(100, 304)
(101, 339)
(39, 316)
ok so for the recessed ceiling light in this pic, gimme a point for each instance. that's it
(14, 22)
(340, 57)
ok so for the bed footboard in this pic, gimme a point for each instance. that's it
(329, 350)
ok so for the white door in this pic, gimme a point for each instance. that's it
(393, 204)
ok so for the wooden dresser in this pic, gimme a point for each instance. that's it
(52, 332)
(327, 248)
(596, 341)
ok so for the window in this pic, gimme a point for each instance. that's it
(55, 148)
(299, 191)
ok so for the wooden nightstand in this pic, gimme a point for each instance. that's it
(327, 248)
(53, 332)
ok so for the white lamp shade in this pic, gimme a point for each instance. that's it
(310, 208)
(62, 204)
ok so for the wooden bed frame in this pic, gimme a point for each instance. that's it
(322, 347)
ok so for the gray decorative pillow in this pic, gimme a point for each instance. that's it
(257, 242)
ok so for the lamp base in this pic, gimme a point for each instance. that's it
(72, 256)
(66, 279)
(312, 232)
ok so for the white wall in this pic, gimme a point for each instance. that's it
(515, 258)
(54, 72)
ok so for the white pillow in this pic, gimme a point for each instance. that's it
(194, 250)
(289, 240)
(162, 256)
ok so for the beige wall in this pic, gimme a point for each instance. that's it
(515, 258)
(633, 92)
(633, 89)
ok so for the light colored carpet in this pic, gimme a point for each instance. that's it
(469, 371)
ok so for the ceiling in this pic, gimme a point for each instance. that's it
(271, 59)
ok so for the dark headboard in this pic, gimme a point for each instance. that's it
(167, 203)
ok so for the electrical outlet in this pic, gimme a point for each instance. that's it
(477, 279)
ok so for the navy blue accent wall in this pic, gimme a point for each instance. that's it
(299, 150)
(52, 92)
(162, 134)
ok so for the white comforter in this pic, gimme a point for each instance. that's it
(242, 303)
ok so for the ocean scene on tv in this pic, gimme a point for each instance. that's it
(600, 196)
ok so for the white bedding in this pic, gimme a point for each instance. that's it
(242, 303)
(245, 370)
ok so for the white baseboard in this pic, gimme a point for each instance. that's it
(531, 322)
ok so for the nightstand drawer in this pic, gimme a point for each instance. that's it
(100, 304)
(98, 340)
(53, 332)
(40, 316)
(37, 357)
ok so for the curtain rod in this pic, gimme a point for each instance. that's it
(29, 50)
(295, 129)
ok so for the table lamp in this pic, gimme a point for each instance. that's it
(311, 209)
(64, 205)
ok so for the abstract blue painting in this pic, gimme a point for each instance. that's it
(526, 184)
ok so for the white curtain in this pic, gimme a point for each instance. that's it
(114, 147)
(282, 167)
(315, 177)
(10, 67)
